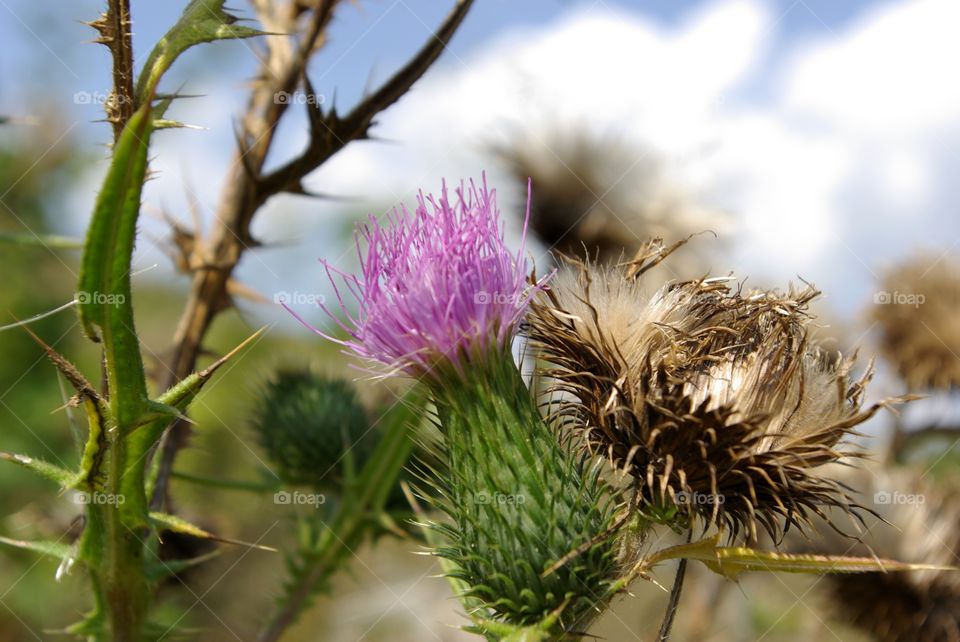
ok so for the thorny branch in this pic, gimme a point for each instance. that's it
(248, 187)
(114, 28)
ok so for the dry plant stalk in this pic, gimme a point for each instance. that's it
(114, 27)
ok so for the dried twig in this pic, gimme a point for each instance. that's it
(667, 624)
(114, 29)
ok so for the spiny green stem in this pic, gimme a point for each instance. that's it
(126, 591)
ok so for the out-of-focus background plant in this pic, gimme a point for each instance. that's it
(814, 140)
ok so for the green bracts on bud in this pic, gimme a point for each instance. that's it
(520, 500)
(313, 428)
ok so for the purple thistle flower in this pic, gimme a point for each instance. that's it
(436, 284)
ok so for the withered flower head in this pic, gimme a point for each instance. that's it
(922, 528)
(712, 399)
(597, 192)
(917, 310)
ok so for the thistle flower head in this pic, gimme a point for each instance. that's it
(712, 399)
(917, 311)
(436, 284)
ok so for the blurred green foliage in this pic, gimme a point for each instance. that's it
(34, 172)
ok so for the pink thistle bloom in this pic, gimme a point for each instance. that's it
(438, 285)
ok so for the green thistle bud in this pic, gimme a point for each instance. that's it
(520, 500)
(313, 428)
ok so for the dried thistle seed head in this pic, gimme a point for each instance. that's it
(916, 310)
(310, 425)
(599, 193)
(921, 528)
(712, 399)
(889, 607)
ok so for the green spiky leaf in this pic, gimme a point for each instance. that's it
(163, 123)
(60, 476)
(180, 525)
(180, 395)
(55, 550)
(52, 241)
(94, 450)
(163, 569)
(731, 561)
(201, 21)
(93, 626)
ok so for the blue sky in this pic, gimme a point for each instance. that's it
(45, 46)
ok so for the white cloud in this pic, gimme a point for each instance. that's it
(893, 74)
(841, 124)
(780, 184)
(613, 71)
(830, 152)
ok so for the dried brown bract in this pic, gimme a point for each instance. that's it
(712, 399)
(917, 310)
